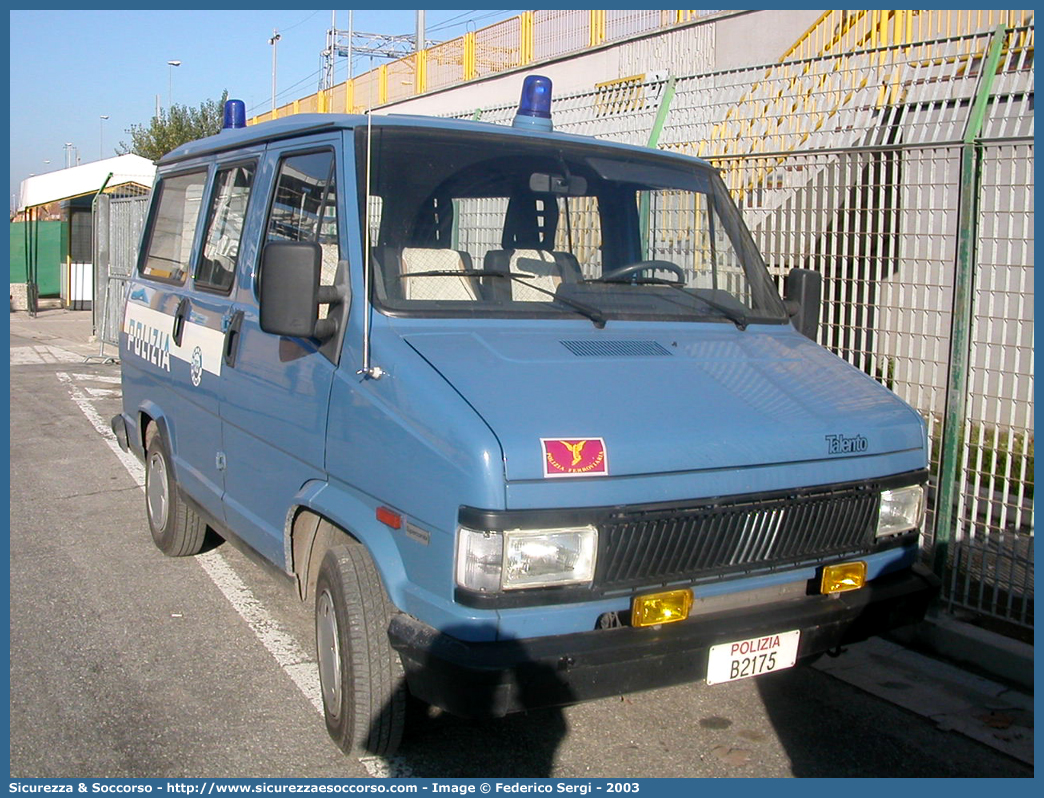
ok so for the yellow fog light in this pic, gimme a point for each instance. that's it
(661, 608)
(842, 577)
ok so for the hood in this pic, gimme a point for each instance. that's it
(683, 399)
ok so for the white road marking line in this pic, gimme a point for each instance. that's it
(380, 768)
(290, 656)
(101, 393)
(130, 462)
(98, 378)
(42, 353)
(279, 643)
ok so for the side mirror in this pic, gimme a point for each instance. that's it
(802, 295)
(289, 288)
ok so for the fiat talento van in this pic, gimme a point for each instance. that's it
(521, 413)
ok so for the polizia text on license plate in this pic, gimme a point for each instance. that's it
(740, 659)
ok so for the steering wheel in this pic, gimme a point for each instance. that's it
(616, 275)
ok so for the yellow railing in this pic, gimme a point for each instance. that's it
(509, 44)
(800, 92)
(542, 35)
(845, 31)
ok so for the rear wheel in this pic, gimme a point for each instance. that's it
(176, 529)
(363, 687)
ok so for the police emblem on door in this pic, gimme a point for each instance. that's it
(197, 366)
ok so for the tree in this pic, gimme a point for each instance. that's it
(175, 126)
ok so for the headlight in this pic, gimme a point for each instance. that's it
(522, 558)
(902, 509)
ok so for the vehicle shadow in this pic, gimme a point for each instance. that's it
(522, 743)
(211, 540)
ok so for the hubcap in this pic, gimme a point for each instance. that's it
(329, 653)
(156, 491)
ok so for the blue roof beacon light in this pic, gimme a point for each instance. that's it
(235, 115)
(534, 106)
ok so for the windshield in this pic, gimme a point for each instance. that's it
(471, 225)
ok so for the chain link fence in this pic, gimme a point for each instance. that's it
(850, 163)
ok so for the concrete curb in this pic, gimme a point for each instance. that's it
(977, 649)
(943, 693)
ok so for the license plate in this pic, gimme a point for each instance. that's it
(744, 658)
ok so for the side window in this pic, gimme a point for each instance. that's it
(225, 217)
(174, 226)
(305, 206)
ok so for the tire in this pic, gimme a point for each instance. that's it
(360, 674)
(176, 529)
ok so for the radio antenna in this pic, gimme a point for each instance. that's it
(368, 371)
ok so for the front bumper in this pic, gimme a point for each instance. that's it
(495, 678)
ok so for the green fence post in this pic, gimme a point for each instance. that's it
(963, 308)
(661, 112)
(654, 140)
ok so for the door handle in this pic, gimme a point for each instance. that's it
(232, 338)
(179, 320)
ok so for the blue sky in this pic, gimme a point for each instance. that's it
(68, 68)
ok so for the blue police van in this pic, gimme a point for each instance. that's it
(522, 414)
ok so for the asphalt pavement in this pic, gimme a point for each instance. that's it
(124, 662)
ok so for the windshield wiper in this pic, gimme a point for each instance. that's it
(595, 315)
(736, 317)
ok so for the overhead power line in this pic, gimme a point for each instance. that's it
(351, 43)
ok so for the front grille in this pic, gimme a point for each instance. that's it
(648, 547)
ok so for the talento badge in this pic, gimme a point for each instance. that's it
(575, 457)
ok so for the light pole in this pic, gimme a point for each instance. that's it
(170, 81)
(272, 41)
(101, 136)
(68, 154)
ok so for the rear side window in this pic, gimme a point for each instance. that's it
(174, 227)
(217, 268)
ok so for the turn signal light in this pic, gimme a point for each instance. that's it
(389, 518)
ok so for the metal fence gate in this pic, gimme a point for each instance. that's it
(903, 173)
(118, 222)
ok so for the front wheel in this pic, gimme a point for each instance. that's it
(364, 691)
